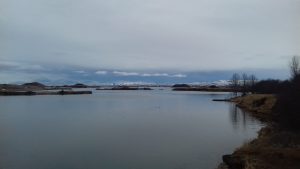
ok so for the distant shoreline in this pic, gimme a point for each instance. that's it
(36, 88)
(205, 89)
(31, 93)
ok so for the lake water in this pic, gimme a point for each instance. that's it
(158, 129)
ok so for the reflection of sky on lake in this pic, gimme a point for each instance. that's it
(120, 129)
(240, 118)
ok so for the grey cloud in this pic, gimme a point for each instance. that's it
(22, 77)
(179, 75)
(8, 65)
(101, 72)
(119, 73)
(162, 75)
(79, 71)
(154, 74)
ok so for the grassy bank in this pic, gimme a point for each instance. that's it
(275, 148)
(258, 105)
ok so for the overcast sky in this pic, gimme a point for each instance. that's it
(189, 35)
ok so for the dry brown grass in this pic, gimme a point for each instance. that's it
(272, 150)
(263, 103)
(275, 148)
(259, 105)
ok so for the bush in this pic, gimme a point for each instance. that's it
(270, 86)
(288, 105)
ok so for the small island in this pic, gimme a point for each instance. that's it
(125, 88)
(36, 88)
(207, 88)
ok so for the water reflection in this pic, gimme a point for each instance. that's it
(120, 130)
(240, 118)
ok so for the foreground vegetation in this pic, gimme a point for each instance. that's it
(278, 144)
(260, 105)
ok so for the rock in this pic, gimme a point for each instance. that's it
(233, 162)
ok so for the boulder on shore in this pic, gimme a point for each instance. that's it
(233, 162)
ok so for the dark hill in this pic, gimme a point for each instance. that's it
(79, 85)
(33, 84)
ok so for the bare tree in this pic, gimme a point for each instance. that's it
(295, 66)
(252, 81)
(245, 83)
(235, 79)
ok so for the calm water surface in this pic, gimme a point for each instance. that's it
(157, 129)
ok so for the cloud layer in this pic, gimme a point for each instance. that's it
(21, 72)
(120, 73)
(134, 35)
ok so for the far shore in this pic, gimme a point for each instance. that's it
(30, 93)
(207, 88)
(36, 88)
(203, 88)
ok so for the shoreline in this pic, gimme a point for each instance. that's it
(33, 93)
(205, 89)
(35, 88)
(259, 106)
(274, 148)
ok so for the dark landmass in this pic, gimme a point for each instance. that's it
(35, 88)
(210, 88)
(221, 100)
(17, 93)
(24, 87)
(30, 93)
(181, 86)
(125, 88)
(78, 85)
(203, 88)
(34, 84)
